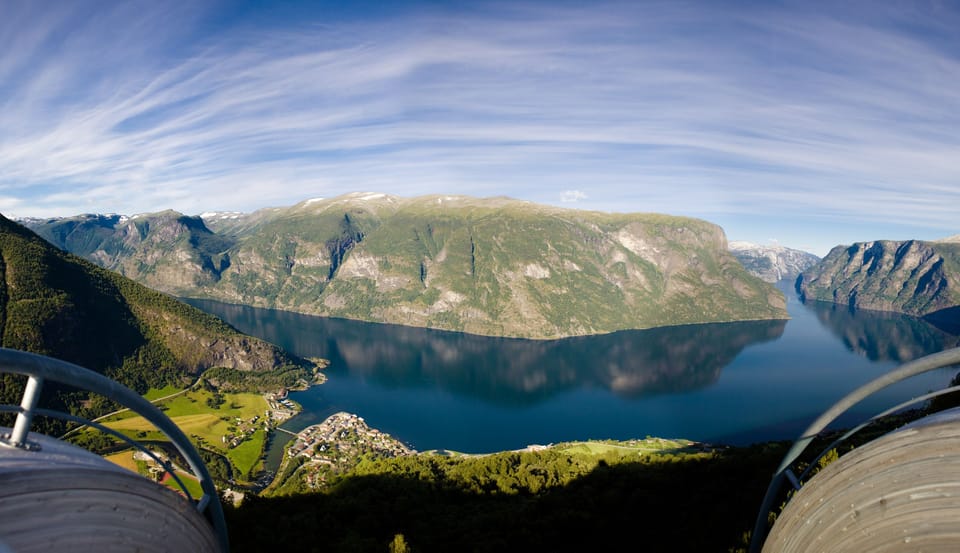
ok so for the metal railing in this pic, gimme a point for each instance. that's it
(785, 474)
(38, 369)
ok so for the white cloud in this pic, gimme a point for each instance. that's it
(826, 114)
(572, 196)
(8, 204)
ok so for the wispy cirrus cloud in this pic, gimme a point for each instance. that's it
(657, 107)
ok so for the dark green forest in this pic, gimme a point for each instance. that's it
(544, 501)
(552, 500)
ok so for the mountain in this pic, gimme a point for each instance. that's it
(166, 251)
(772, 263)
(57, 304)
(492, 266)
(914, 277)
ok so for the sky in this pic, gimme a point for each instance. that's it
(808, 124)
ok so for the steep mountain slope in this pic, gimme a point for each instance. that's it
(914, 277)
(57, 304)
(485, 266)
(165, 251)
(772, 263)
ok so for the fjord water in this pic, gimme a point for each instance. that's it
(732, 383)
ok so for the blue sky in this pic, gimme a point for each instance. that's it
(811, 124)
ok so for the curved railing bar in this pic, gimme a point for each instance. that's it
(873, 419)
(905, 371)
(168, 467)
(38, 367)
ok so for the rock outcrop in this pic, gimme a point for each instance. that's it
(772, 263)
(914, 277)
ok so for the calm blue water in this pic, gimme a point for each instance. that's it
(733, 383)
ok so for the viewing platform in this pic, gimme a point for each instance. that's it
(55, 496)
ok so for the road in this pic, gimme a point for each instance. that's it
(159, 399)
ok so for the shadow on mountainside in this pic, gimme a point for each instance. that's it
(947, 320)
(668, 504)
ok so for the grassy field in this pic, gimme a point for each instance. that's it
(246, 455)
(647, 446)
(207, 425)
(191, 483)
(123, 459)
(155, 393)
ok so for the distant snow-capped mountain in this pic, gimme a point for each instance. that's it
(772, 263)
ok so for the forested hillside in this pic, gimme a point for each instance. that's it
(57, 304)
(555, 500)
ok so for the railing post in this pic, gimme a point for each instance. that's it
(31, 394)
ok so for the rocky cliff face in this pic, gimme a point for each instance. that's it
(914, 277)
(772, 263)
(484, 266)
(166, 251)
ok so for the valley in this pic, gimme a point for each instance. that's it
(272, 437)
(417, 277)
(230, 429)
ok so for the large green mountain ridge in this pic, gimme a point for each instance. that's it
(492, 266)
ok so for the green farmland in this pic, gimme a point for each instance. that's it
(227, 424)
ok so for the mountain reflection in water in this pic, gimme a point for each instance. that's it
(504, 370)
(881, 335)
(733, 383)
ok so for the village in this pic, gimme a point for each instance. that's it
(337, 443)
(344, 435)
(317, 452)
(280, 408)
